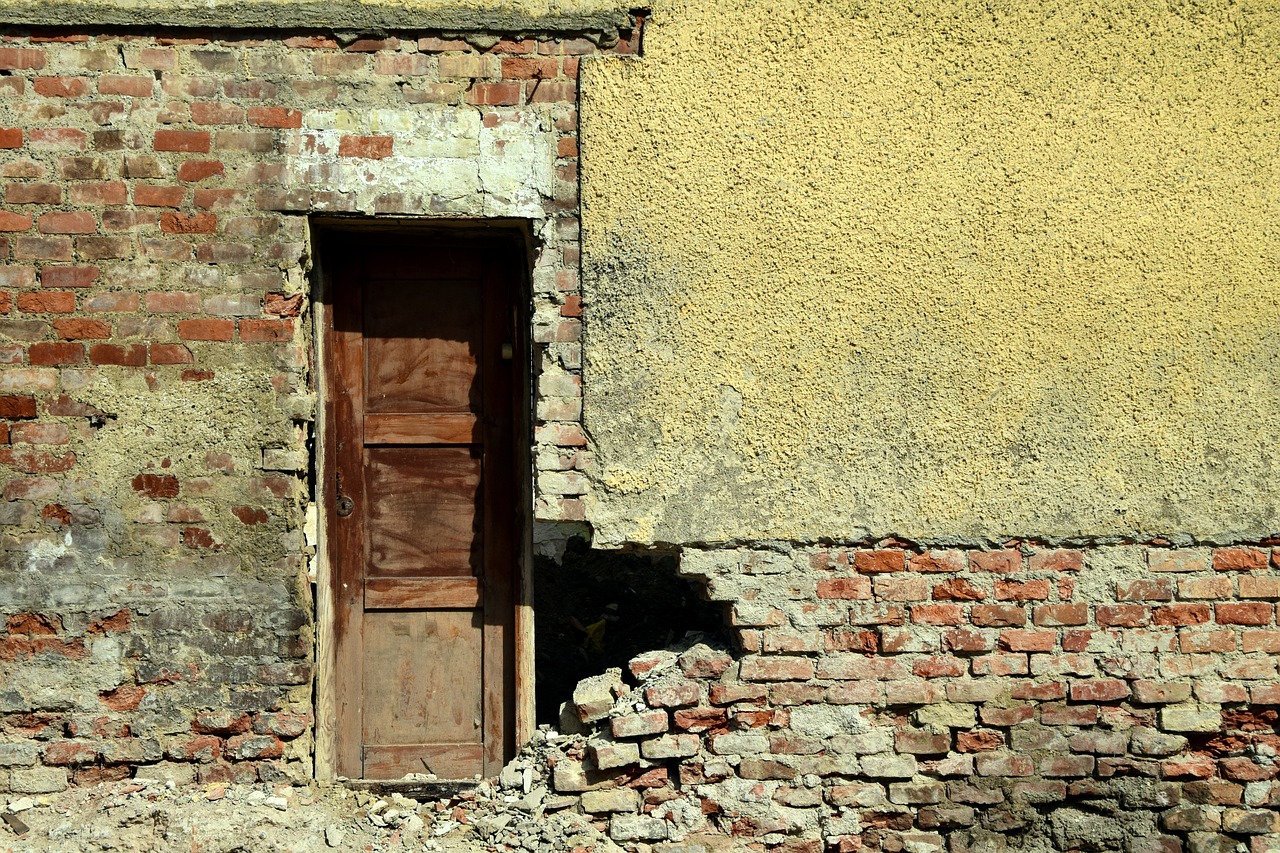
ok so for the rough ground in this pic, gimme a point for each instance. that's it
(518, 812)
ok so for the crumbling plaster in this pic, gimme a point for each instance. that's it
(358, 16)
(951, 271)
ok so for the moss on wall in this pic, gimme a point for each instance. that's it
(943, 270)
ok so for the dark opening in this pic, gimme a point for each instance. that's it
(598, 609)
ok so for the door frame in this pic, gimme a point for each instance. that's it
(325, 231)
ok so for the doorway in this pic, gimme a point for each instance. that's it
(424, 499)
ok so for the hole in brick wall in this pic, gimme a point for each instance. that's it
(598, 609)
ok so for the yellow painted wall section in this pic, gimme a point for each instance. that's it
(950, 271)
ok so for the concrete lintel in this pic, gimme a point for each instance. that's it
(500, 16)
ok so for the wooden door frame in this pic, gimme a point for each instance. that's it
(515, 233)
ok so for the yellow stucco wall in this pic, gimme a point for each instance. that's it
(943, 270)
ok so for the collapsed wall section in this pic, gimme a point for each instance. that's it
(891, 698)
(157, 372)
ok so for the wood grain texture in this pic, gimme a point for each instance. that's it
(423, 513)
(444, 428)
(424, 341)
(422, 593)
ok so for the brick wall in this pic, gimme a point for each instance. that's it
(156, 359)
(892, 698)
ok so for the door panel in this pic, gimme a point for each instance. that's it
(421, 454)
(417, 489)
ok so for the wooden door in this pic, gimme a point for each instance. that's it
(422, 516)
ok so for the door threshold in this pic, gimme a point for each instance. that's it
(413, 789)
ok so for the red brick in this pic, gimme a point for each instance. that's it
(553, 92)
(957, 589)
(1239, 559)
(494, 94)
(69, 752)
(369, 147)
(1252, 586)
(978, 741)
(47, 302)
(133, 355)
(115, 301)
(206, 330)
(189, 141)
(998, 615)
(100, 193)
(1099, 690)
(1056, 615)
(170, 354)
(1145, 589)
(44, 433)
(59, 87)
(68, 222)
(1244, 613)
(188, 223)
(1218, 587)
(57, 277)
(82, 329)
(66, 138)
(1057, 560)
(133, 85)
(567, 147)
(937, 614)
(21, 59)
(198, 170)
(1028, 640)
(10, 221)
(1122, 615)
(275, 117)
(1181, 614)
(17, 406)
(939, 666)
(204, 112)
(877, 562)
(33, 194)
(173, 302)
(968, 640)
(10, 137)
(291, 306)
(1002, 562)
(1045, 692)
(147, 195)
(776, 669)
(1054, 714)
(938, 561)
(221, 199)
(1206, 642)
(265, 331)
(529, 68)
(49, 353)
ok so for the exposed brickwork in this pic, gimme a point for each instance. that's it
(157, 391)
(877, 721)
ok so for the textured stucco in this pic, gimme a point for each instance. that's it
(941, 270)
(357, 15)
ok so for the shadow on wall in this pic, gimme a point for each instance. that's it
(598, 609)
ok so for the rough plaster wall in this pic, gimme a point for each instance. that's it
(946, 271)
(358, 15)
